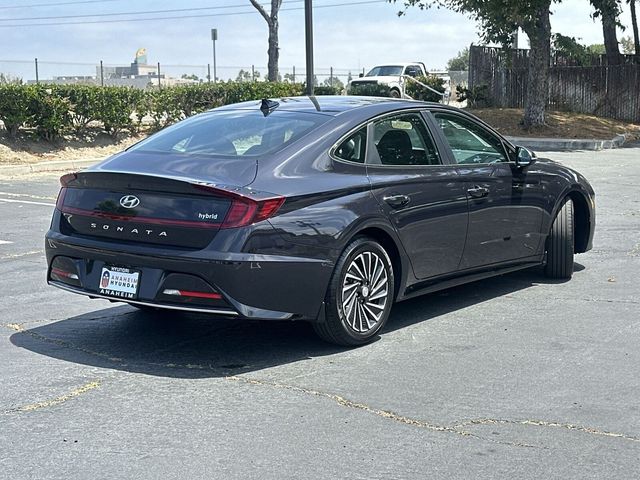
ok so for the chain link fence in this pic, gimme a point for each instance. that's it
(158, 74)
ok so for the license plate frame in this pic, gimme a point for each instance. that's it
(119, 282)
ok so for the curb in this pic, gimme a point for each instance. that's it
(54, 166)
(561, 144)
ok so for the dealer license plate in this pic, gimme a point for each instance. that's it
(119, 282)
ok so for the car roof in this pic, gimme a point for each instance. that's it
(331, 104)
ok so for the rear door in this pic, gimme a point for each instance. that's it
(505, 214)
(424, 198)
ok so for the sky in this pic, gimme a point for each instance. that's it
(348, 35)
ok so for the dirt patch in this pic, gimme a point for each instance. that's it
(28, 149)
(559, 125)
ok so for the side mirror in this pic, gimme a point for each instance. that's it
(524, 157)
(361, 75)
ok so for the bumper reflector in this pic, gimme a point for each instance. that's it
(62, 274)
(187, 293)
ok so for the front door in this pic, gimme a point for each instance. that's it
(505, 214)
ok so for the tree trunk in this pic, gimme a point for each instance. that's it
(634, 24)
(274, 50)
(611, 47)
(539, 32)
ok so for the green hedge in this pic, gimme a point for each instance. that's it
(53, 110)
(418, 92)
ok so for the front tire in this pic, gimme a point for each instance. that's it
(395, 93)
(359, 296)
(560, 244)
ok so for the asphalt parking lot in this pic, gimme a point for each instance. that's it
(511, 377)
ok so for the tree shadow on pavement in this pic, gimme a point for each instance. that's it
(173, 344)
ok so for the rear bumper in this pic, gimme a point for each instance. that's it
(251, 286)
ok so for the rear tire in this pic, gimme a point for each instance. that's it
(359, 296)
(560, 244)
(395, 93)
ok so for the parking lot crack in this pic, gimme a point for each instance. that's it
(543, 423)
(57, 400)
(386, 414)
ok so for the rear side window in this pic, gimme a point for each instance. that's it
(353, 148)
(403, 140)
(470, 143)
(232, 133)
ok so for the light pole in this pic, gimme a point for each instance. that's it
(308, 30)
(214, 37)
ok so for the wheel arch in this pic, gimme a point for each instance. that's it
(582, 218)
(390, 245)
(582, 221)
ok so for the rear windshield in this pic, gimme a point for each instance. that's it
(232, 133)
(385, 71)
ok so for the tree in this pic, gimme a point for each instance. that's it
(627, 45)
(460, 62)
(498, 20)
(273, 51)
(596, 49)
(334, 82)
(193, 76)
(245, 76)
(608, 11)
(634, 25)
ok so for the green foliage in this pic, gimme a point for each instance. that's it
(627, 45)
(334, 82)
(370, 90)
(83, 104)
(14, 106)
(116, 107)
(476, 97)
(418, 92)
(54, 110)
(596, 49)
(460, 62)
(569, 47)
(327, 90)
(49, 112)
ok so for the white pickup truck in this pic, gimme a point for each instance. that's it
(391, 75)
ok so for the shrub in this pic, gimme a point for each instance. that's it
(477, 96)
(327, 90)
(14, 106)
(116, 108)
(419, 92)
(48, 112)
(370, 90)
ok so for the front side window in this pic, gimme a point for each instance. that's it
(232, 133)
(470, 143)
(353, 148)
(403, 140)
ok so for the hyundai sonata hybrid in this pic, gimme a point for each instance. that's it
(323, 209)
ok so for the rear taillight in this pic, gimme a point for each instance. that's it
(245, 210)
(60, 200)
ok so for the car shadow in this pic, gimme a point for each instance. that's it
(173, 344)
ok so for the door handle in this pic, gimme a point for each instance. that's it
(397, 201)
(478, 191)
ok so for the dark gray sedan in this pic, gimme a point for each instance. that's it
(324, 209)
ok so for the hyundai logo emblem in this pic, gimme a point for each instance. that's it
(129, 201)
